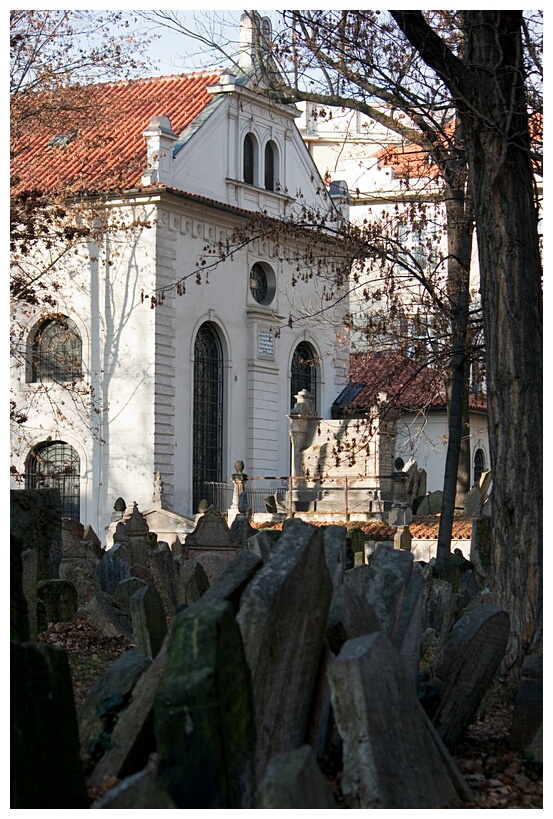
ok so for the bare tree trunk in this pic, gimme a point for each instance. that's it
(489, 93)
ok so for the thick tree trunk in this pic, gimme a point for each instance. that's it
(510, 270)
(488, 91)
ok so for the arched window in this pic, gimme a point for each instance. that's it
(207, 454)
(56, 465)
(57, 351)
(303, 372)
(249, 159)
(269, 167)
(479, 465)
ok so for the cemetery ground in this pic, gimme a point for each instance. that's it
(499, 776)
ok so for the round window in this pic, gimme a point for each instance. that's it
(259, 286)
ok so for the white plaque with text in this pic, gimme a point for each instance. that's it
(265, 343)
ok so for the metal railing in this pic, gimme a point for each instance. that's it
(289, 494)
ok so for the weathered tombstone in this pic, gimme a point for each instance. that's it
(29, 560)
(466, 665)
(112, 568)
(211, 530)
(436, 606)
(149, 623)
(528, 713)
(107, 616)
(282, 618)
(431, 504)
(109, 696)
(91, 540)
(164, 572)
(192, 582)
(480, 549)
(392, 758)
(203, 713)
(125, 590)
(241, 527)
(139, 537)
(35, 516)
(143, 573)
(293, 780)
(260, 544)
(140, 790)
(335, 544)
(19, 614)
(59, 598)
(356, 579)
(403, 538)
(132, 739)
(472, 506)
(214, 563)
(46, 770)
(349, 616)
(178, 548)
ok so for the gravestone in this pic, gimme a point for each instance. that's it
(403, 538)
(140, 790)
(107, 616)
(241, 527)
(35, 516)
(29, 559)
(192, 582)
(472, 506)
(164, 572)
(203, 713)
(465, 667)
(391, 756)
(260, 544)
(132, 740)
(112, 568)
(349, 616)
(282, 619)
(431, 504)
(19, 616)
(294, 780)
(211, 531)
(149, 623)
(125, 590)
(138, 537)
(109, 696)
(335, 545)
(46, 770)
(214, 563)
(528, 713)
(59, 598)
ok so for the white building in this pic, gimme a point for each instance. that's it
(208, 376)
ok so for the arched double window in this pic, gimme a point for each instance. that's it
(57, 351)
(207, 427)
(56, 465)
(249, 159)
(303, 372)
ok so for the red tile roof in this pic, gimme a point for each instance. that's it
(407, 384)
(108, 151)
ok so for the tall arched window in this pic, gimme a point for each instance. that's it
(56, 465)
(479, 465)
(249, 159)
(207, 455)
(269, 167)
(303, 371)
(57, 351)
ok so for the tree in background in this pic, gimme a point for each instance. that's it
(57, 59)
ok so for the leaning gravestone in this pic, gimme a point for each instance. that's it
(149, 623)
(294, 780)
(164, 572)
(192, 582)
(203, 713)
(112, 568)
(466, 665)
(109, 696)
(125, 590)
(282, 618)
(46, 770)
(132, 740)
(107, 616)
(335, 544)
(392, 758)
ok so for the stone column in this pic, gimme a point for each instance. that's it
(239, 479)
(401, 513)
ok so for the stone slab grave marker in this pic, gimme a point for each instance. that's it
(192, 581)
(132, 740)
(164, 572)
(294, 780)
(466, 665)
(113, 567)
(392, 755)
(107, 616)
(282, 618)
(211, 531)
(149, 623)
(203, 713)
(46, 770)
(60, 600)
